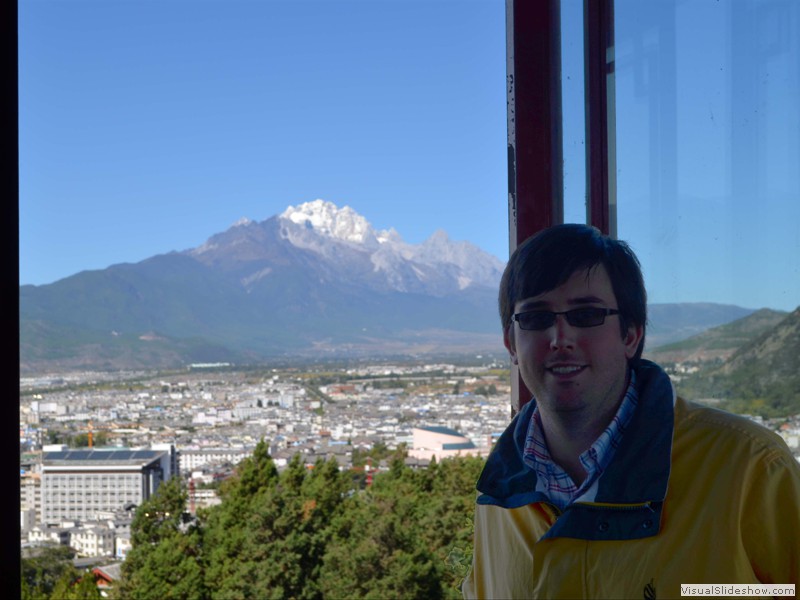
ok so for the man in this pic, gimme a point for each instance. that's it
(606, 485)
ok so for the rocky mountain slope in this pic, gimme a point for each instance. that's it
(760, 377)
(314, 282)
(720, 342)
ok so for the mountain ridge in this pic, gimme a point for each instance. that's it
(274, 288)
(719, 342)
(313, 279)
(761, 377)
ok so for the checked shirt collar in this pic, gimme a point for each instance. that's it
(554, 481)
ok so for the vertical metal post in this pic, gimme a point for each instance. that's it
(601, 168)
(10, 558)
(535, 157)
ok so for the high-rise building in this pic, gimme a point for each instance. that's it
(77, 484)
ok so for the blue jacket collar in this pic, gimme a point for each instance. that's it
(638, 474)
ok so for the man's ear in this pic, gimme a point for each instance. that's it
(632, 339)
(508, 342)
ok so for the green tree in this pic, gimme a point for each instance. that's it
(227, 525)
(379, 451)
(286, 534)
(76, 586)
(446, 515)
(44, 569)
(377, 550)
(25, 592)
(413, 517)
(165, 559)
(81, 440)
(55, 437)
(310, 533)
(376, 554)
(254, 474)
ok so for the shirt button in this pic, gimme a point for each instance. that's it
(647, 524)
(602, 526)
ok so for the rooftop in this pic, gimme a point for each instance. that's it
(101, 457)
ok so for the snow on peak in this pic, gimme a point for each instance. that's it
(327, 219)
(242, 221)
(389, 235)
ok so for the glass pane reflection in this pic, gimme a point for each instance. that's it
(708, 148)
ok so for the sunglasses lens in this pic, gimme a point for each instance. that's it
(539, 320)
(536, 321)
(585, 317)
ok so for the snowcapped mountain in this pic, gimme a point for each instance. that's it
(314, 280)
(326, 219)
(346, 246)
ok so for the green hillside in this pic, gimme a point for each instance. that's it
(48, 347)
(719, 342)
(762, 377)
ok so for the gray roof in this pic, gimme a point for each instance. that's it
(442, 430)
(112, 571)
(101, 457)
(461, 446)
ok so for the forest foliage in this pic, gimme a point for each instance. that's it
(50, 574)
(309, 533)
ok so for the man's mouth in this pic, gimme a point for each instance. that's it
(565, 369)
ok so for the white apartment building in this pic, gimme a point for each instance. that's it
(78, 484)
(202, 498)
(49, 535)
(93, 541)
(30, 500)
(191, 460)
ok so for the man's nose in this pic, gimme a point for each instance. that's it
(562, 334)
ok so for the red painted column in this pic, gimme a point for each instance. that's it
(601, 169)
(535, 158)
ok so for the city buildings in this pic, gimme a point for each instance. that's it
(201, 425)
(79, 484)
(442, 442)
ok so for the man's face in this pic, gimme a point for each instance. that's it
(572, 369)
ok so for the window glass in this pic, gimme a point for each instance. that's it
(572, 105)
(708, 148)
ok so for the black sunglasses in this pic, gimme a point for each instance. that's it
(537, 320)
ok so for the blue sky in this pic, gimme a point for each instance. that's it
(147, 127)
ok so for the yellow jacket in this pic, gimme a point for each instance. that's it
(692, 495)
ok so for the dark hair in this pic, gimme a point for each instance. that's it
(546, 260)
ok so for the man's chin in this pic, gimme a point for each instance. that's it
(570, 406)
(563, 403)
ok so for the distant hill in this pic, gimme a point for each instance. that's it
(668, 323)
(316, 281)
(761, 377)
(48, 347)
(718, 343)
(313, 283)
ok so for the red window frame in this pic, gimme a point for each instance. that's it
(535, 144)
